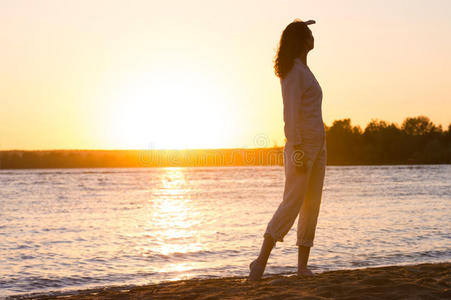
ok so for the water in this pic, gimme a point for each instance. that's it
(70, 229)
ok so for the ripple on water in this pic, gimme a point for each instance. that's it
(80, 228)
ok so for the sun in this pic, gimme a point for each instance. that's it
(171, 110)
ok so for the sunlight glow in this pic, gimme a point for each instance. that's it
(173, 110)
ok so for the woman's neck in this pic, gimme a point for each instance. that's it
(303, 58)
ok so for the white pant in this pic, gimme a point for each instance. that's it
(302, 193)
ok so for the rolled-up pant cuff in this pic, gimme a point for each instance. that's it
(274, 238)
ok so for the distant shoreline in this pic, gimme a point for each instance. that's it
(69, 159)
(429, 280)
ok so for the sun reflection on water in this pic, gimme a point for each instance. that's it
(174, 220)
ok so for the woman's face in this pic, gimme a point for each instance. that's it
(309, 42)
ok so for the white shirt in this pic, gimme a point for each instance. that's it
(302, 98)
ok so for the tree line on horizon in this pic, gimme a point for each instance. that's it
(417, 141)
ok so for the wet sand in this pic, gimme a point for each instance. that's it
(422, 281)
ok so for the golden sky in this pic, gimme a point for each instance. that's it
(199, 74)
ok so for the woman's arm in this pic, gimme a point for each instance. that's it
(292, 90)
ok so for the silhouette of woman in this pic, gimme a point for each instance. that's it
(304, 151)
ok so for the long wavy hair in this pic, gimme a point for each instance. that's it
(291, 45)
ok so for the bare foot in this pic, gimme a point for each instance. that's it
(256, 271)
(304, 272)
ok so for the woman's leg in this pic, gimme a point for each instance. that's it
(257, 267)
(285, 215)
(308, 214)
(294, 192)
(303, 255)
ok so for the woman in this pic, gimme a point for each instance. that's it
(304, 151)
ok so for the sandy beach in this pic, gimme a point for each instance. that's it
(421, 281)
